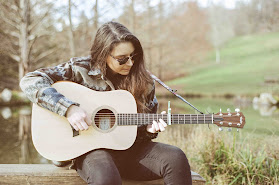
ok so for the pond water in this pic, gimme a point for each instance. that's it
(261, 122)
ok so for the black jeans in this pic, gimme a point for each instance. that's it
(142, 162)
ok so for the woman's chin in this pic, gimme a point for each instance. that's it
(124, 72)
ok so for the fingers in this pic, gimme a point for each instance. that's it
(75, 127)
(155, 126)
(79, 120)
(88, 120)
(163, 123)
(84, 125)
(80, 127)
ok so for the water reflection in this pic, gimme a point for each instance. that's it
(265, 110)
(6, 112)
(15, 137)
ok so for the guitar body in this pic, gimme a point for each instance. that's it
(54, 138)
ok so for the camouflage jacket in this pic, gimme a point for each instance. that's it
(37, 87)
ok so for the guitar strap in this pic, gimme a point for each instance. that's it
(173, 91)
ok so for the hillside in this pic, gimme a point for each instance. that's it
(246, 62)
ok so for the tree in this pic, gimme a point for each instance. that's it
(71, 30)
(221, 27)
(24, 26)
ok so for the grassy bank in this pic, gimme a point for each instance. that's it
(250, 156)
(226, 158)
(246, 62)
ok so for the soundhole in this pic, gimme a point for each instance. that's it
(104, 119)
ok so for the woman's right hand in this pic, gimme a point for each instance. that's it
(78, 118)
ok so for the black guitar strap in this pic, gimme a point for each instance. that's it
(172, 91)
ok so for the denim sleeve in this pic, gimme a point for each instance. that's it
(37, 87)
(152, 105)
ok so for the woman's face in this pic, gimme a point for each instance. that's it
(121, 51)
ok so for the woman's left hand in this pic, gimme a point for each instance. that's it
(159, 126)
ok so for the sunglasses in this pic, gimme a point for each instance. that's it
(122, 61)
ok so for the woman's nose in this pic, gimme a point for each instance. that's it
(130, 62)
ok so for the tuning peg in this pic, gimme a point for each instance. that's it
(237, 129)
(220, 129)
(229, 129)
(220, 112)
(237, 111)
(229, 112)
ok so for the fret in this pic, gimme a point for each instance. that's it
(125, 119)
(137, 119)
(184, 118)
(204, 118)
(144, 119)
(178, 118)
(157, 117)
(181, 119)
(197, 118)
(118, 118)
(190, 118)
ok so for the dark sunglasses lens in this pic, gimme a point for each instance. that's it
(123, 61)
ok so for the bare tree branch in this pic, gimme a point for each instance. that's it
(15, 57)
(44, 54)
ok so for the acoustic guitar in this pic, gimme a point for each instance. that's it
(114, 122)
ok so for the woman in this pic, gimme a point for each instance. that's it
(116, 62)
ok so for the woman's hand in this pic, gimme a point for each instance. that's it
(78, 118)
(157, 126)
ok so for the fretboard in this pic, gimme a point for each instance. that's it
(145, 119)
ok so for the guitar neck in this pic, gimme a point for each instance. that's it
(145, 119)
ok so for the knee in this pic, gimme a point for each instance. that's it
(98, 168)
(175, 157)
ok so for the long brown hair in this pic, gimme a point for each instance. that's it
(138, 82)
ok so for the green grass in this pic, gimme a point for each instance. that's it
(250, 156)
(245, 63)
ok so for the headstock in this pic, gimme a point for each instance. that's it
(231, 120)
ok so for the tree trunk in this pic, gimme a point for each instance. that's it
(149, 47)
(160, 41)
(133, 16)
(71, 31)
(24, 35)
(96, 15)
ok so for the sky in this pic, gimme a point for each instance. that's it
(109, 12)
